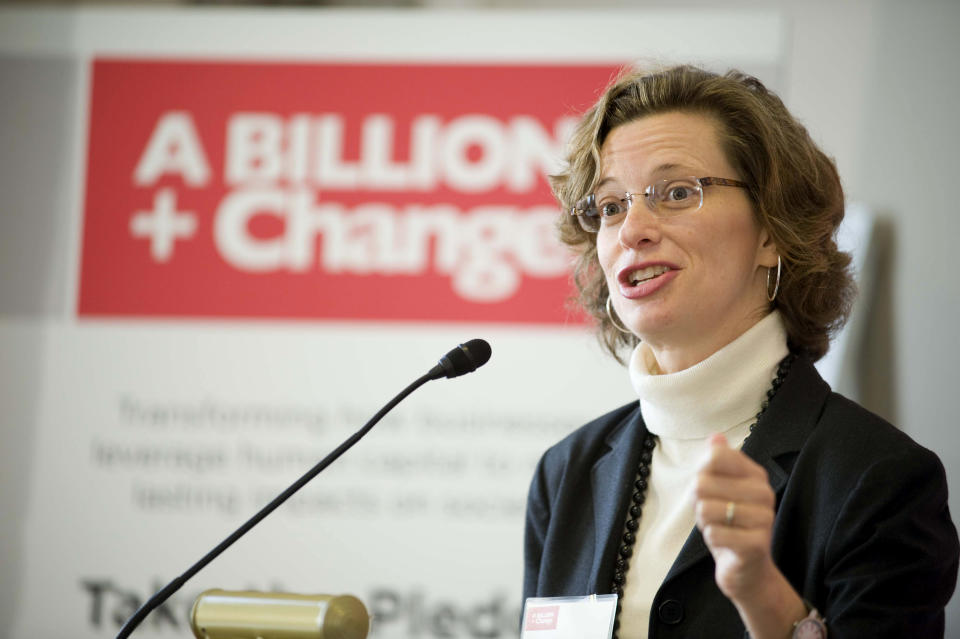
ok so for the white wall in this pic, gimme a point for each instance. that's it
(878, 85)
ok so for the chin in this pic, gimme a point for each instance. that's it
(651, 326)
(651, 330)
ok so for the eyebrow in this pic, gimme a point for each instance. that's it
(664, 168)
(659, 170)
(603, 182)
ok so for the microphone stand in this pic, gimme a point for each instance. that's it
(176, 584)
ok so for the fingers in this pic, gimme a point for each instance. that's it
(746, 544)
(744, 515)
(723, 460)
(732, 492)
(730, 475)
(738, 535)
(735, 513)
(752, 490)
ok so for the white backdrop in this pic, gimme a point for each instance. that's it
(155, 438)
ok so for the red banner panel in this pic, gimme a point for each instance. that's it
(333, 191)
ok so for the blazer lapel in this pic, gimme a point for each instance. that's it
(783, 429)
(611, 481)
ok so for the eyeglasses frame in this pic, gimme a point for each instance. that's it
(584, 205)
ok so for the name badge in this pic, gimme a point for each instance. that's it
(588, 617)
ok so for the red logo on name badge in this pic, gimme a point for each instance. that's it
(542, 618)
(330, 191)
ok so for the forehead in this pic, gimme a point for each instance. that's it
(664, 143)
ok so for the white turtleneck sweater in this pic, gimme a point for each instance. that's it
(721, 394)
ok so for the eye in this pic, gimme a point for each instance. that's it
(678, 193)
(609, 209)
(610, 206)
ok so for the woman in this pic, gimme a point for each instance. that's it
(740, 494)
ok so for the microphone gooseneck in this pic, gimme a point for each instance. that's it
(465, 358)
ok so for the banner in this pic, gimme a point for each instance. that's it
(372, 192)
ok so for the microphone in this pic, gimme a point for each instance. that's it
(465, 358)
(224, 614)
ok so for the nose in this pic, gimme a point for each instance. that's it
(640, 226)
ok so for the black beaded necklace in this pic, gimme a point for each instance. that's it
(639, 496)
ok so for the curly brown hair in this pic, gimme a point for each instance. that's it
(793, 186)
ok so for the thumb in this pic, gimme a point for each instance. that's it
(719, 440)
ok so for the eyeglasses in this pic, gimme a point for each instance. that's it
(664, 198)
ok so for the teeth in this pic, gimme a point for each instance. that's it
(647, 273)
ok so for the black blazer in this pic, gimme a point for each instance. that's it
(862, 529)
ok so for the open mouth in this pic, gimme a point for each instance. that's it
(648, 273)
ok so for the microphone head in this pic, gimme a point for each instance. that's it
(478, 350)
(464, 359)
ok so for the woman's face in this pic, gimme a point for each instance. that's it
(703, 273)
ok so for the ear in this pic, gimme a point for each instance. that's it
(767, 251)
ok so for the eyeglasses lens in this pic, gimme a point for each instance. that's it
(664, 198)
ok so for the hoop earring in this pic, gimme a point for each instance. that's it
(776, 285)
(619, 326)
